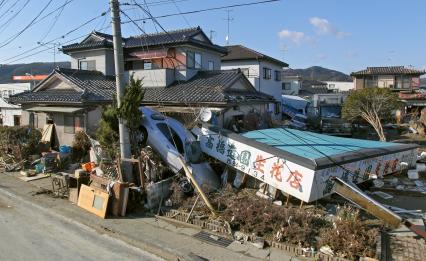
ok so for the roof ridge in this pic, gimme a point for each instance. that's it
(188, 29)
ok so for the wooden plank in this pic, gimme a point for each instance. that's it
(197, 186)
(93, 200)
(356, 196)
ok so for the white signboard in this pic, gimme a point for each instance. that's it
(294, 179)
(280, 173)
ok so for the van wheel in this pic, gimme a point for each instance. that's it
(142, 137)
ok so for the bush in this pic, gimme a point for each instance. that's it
(80, 146)
(24, 138)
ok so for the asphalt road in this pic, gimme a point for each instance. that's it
(29, 233)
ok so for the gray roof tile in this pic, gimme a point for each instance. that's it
(390, 70)
(95, 86)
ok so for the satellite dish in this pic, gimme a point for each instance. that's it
(205, 114)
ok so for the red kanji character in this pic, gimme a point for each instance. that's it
(259, 163)
(276, 171)
(297, 178)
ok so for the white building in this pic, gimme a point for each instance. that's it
(10, 115)
(340, 86)
(263, 71)
(291, 85)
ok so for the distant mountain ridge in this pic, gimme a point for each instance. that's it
(8, 71)
(319, 73)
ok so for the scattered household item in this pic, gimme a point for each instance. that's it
(421, 167)
(382, 194)
(93, 200)
(413, 174)
(60, 184)
(35, 177)
(88, 167)
(326, 250)
(65, 149)
(378, 183)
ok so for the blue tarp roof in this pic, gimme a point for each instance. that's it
(312, 145)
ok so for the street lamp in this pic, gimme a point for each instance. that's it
(54, 50)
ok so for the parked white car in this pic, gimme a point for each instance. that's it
(170, 139)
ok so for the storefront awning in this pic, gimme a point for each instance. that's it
(56, 109)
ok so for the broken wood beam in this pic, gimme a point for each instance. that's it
(196, 185)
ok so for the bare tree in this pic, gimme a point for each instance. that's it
(374, 105)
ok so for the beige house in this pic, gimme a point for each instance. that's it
(396, 78)
(180, 71)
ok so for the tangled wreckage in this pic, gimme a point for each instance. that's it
(186, 175)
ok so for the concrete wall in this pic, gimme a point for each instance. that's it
(103, 58)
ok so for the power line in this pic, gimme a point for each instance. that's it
(8, 22)
(27, 26)
(56, 18)
(57, 38)
(48, 49)
(200, 10)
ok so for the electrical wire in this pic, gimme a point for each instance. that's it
(8, 22)
(201, 10)
(55, 20)
(11, 39)
(57, 38)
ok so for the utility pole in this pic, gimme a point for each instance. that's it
(120, 83)
(229, 20)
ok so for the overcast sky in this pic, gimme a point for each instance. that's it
(342, 35)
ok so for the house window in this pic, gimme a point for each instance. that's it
(147, 65)
(277, 108)
(193, 60)
(87, 65)
(16, 120)
(277, 76)
(267, 73)
(286, 86)
(198, 61)
(211, 65)
(73, 123)
(33, 121)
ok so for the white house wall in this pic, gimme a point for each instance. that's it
(104, 59)
(255, 76)
(8, 111)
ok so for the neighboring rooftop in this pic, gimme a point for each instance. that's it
(390, 70)
(88, 86)
(240, 52)
(193, 36)
(205, 87)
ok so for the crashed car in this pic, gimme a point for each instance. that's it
(171, 140)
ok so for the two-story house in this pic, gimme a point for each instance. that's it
(180, 71)
(263, 71)
(397, 78)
